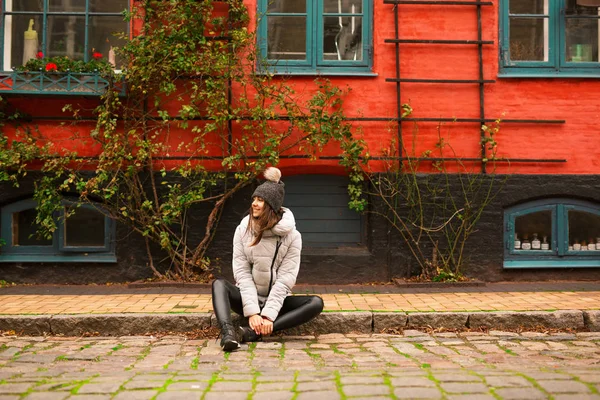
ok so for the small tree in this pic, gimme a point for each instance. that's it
(198, 124)
(436, 212)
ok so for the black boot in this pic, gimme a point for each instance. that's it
(228, 340)
(248, 335)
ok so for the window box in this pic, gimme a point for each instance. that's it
(549, 38)
(80, 31)
(56, 83)
(309, 37)
(553, 233)
(85, 235)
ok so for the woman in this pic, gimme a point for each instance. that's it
(266, 260)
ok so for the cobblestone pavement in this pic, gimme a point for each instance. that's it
(497, 365)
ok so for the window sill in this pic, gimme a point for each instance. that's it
(51, 258)
(545, 75)
(523, 264)
(359, 72)
(55, 83)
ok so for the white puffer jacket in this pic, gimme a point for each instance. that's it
(252, 265)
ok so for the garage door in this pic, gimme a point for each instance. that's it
(320, 205)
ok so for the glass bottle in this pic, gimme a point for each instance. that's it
(545, 244)
(576, 245)
(517, 242)
(584, 246)
(598, 243)
(535, 242)
(591, 244)
(526, 244)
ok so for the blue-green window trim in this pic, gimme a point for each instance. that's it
(314, 63)
(60, 83)
(556, 66)
(559, 255)
(56, 252)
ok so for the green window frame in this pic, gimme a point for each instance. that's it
(559, 24)
(561, 252)
(56, 250)
(50, 12)
(319, 60)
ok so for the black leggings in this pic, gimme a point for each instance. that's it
(296, 310)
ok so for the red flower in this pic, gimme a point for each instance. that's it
(97, 55)
(39, 55)
(51, 67)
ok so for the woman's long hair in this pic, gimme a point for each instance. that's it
(267, 220)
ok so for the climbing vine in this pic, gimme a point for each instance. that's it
(200, 122)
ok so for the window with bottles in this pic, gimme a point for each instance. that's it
(550, 37)
(84, 234)
(310, 36)
(78, 29)
(552, 233)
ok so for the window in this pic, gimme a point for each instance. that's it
(552, 233)
(72, 28)
(549, 38)
(86, 235)
(316, 36)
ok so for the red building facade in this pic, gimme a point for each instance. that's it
(533, 65)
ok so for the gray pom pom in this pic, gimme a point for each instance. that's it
(272, 174)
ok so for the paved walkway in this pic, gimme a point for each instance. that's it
(121, 299)
(470, 365)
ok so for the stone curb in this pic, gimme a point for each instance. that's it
(329, 322)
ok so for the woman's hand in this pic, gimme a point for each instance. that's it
(267, 327)
(255, 323)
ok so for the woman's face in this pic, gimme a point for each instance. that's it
(258, 205)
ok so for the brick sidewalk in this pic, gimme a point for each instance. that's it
(118, 299)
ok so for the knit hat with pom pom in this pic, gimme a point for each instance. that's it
(272, 191)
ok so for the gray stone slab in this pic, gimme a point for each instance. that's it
(417, 393)
(564, 386)
(226, 395)
(561, 319)
(315, 386)
(507, 381)
(520, 394)
(591, 320)
(225, 386)
(140, 384)
(193, 386)
(103, 388)
(464, 387)
(135, 395)
(180, 396)
(336, 322)
(47, 396)
(319, 395)
(14, 388)
(275, 386)
(128, 324)
(387, 320)
(366, 390)
(279, 395)
(35, 325)
(438, 320)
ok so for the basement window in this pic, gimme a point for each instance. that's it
(84, 234)
(561, 233)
